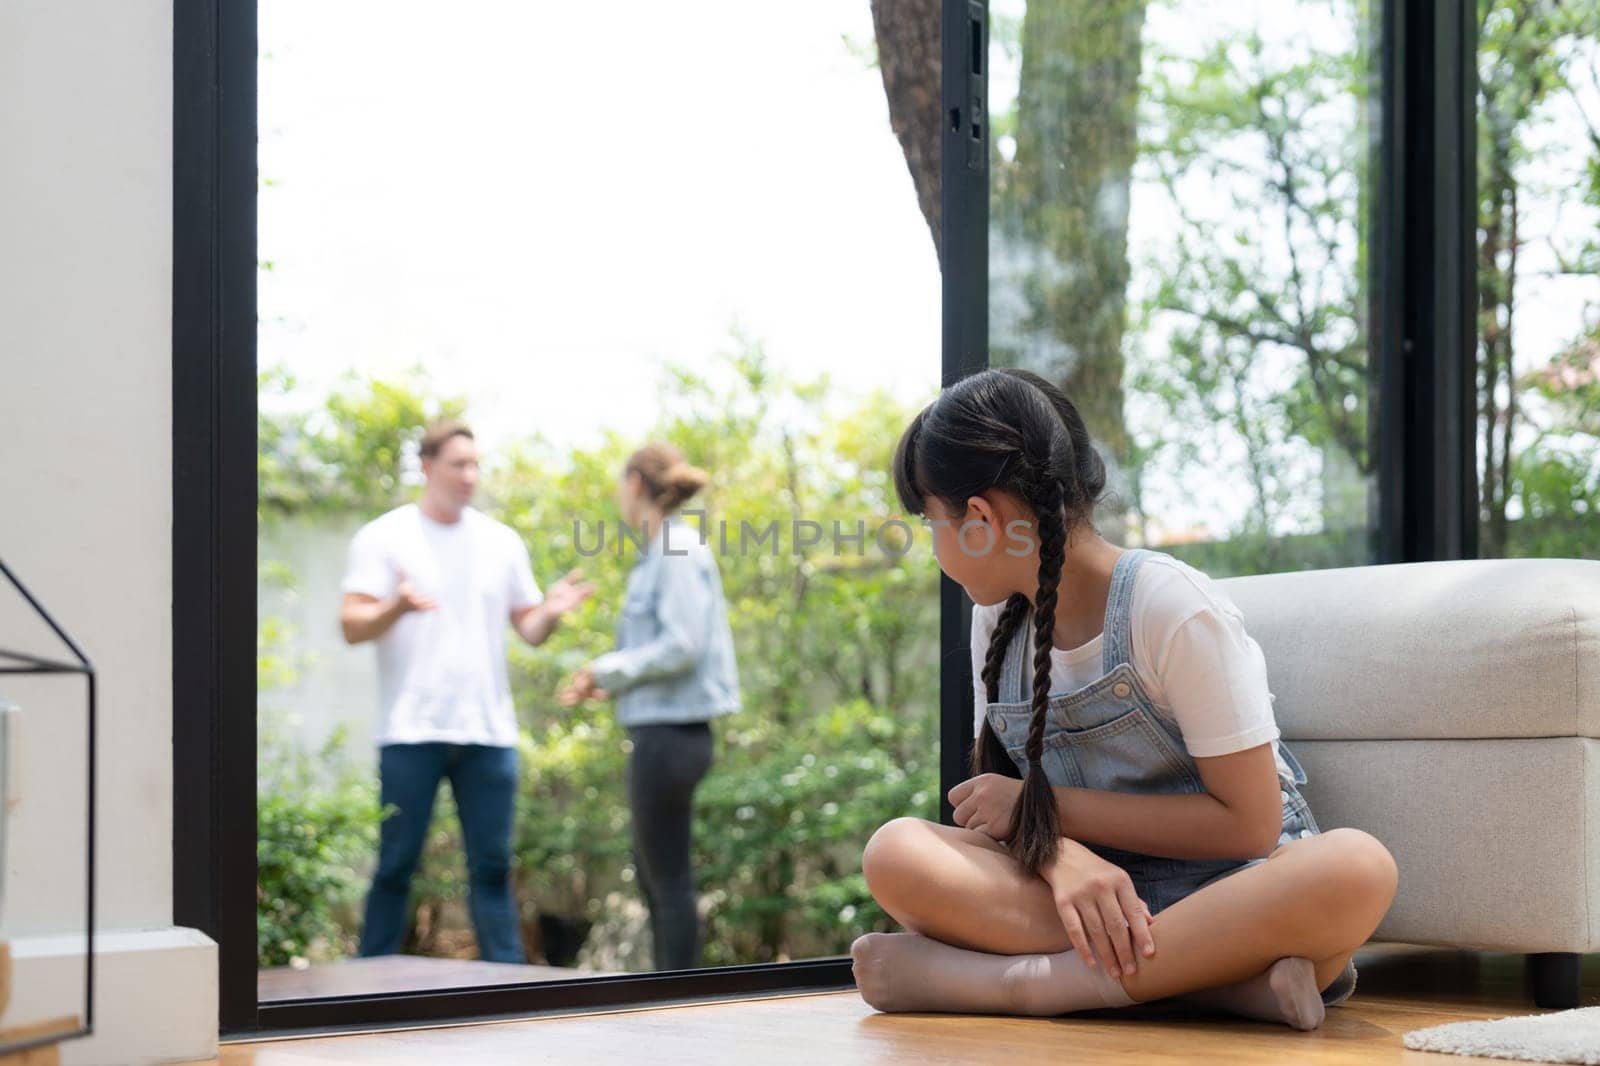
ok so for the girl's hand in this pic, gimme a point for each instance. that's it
(580, 688)
(1098, 906)
(987, 804)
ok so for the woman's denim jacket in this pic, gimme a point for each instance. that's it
(674, 658)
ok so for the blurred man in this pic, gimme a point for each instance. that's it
(434, 583)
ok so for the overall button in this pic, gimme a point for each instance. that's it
(1305, 833)
(1121, 690)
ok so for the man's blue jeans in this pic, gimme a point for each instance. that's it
(484, 783)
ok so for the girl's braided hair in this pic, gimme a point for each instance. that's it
(1010, 429)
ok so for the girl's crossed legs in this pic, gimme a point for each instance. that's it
(1317, 899)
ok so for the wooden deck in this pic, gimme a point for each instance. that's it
(1400, 988)
(398, 973)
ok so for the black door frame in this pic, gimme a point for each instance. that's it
(214, 488)
(964, 292)
(1425, 301)
(1424, 348)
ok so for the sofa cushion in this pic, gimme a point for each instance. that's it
(1475, 648)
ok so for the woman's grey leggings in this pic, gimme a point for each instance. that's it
(667, 763)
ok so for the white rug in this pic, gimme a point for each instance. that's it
(1563, 1036)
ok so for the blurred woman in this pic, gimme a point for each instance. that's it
(673, 670)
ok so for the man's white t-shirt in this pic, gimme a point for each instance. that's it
(442, 672)
(1190, 652)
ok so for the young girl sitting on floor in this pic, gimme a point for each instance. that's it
(1156, 843)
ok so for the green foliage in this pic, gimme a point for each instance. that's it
(1538, 435)
(1261, 151)
(833, 650)
(1251, 320)
(316, 830)
(572, 831)
(277, 664)
(836, 649)
(782, 820)
(1256, 553)
(347, 453)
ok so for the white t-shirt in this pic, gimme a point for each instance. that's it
(1190, 652)
(442, 672)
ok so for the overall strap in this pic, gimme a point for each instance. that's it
(1117, 638)
(1017, 660)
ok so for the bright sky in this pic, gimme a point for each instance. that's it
(541, 202)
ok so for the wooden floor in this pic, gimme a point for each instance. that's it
(1400, 988)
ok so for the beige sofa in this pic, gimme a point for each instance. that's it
(1451, 709)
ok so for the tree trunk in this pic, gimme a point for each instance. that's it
(1496, 300)
(1489, 307)
(909, 59)
(1077, 137)
(1502, 530)
(1063, 207)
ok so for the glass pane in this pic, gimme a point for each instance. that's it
(585, 228)
(1539, 279)
(1180, 237)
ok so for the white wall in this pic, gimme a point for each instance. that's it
(335, 685)
(85, 506)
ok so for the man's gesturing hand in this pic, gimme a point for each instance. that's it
(409, 598)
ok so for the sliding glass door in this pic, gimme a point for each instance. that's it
(580, 231)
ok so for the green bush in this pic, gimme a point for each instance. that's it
(316, 833)
(781, 822)
(1255, 553)
(572, 837)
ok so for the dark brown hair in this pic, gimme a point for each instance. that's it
(668, 479)
(1013, 430)
(434, 438)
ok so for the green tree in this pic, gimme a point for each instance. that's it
(1536, 449)
(836, 652)
(1258, 304)
(909, 55)
(347, 454)
(1061, 204)
(1258, 318)
(314, 838)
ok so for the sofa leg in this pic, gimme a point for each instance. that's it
(1556, 976)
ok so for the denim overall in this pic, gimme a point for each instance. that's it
(1108, 735)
